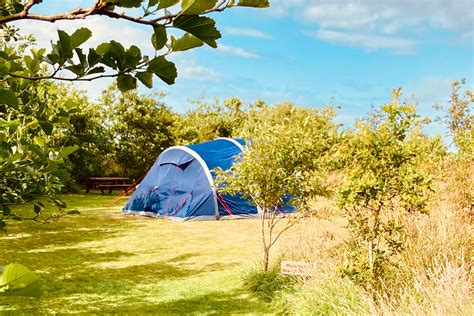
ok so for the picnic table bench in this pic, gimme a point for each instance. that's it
(124, 187)
(110, 183)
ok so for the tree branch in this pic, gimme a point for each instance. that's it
(288, 226)
(97, 9)
(28, 6)
(64, 79)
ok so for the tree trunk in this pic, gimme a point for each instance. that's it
(266, 258)
(371, 258)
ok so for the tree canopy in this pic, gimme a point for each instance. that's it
(67, 61)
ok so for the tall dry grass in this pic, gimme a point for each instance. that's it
(434, 272)
(436, 267)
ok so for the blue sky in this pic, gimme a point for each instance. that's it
(313, 52)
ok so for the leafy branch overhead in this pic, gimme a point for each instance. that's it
(69, 62)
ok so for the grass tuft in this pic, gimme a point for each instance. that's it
(267, 285)
(325, 294)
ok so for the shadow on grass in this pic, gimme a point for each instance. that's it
(78, 280)
(133, 289)
(211, 303)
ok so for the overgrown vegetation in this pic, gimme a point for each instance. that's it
(426, 265)
(385, 186)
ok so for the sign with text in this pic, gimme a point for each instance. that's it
(299, 268)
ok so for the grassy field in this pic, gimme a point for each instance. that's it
(104, 262)
(101, 261)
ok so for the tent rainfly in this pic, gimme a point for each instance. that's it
(180, 185)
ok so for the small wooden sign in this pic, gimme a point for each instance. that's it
(299, 268)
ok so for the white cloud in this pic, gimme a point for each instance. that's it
(190, 70)
(454, 15)
(430, 90)
(368, 42)
(196, 72)
(402, 19)
(337, 15)
(247, 32)
(237, 51)
(282, 7)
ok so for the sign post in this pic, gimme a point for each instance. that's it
(299, 268)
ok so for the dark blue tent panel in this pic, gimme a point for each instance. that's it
(180, 185)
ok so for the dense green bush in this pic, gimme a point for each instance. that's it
(207, 121)
(140, 127)
(32, 166)
(385, 183)
(86, 130)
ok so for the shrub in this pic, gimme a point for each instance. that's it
(385, 184)
(267, 284)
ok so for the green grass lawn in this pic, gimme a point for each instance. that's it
(104, 262)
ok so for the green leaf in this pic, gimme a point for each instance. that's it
(13, 127)
(73, 212)
(187, 41)
(159, 38)
(196, 6)
(64, 42)
(102, 49)
(93, 58)
(126, 82)
(66, 151)
(113, 55)
(96, 70)
(166, 3)
(31, 63)
(146, 78)
(203, 28)
(59, 202)
(62, 174)
(79, 37)
(82, 57)
(254, 3)
(17, 280)
(76, 69)
(164, 69)
(47, 127)
(52, 58)
(8, 98)
(116, 49)
(133, 55)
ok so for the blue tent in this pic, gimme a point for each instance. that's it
(180, 185)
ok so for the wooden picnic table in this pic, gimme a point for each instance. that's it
(110, 182)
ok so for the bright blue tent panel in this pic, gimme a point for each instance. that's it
(176, 186)
(217, 153)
